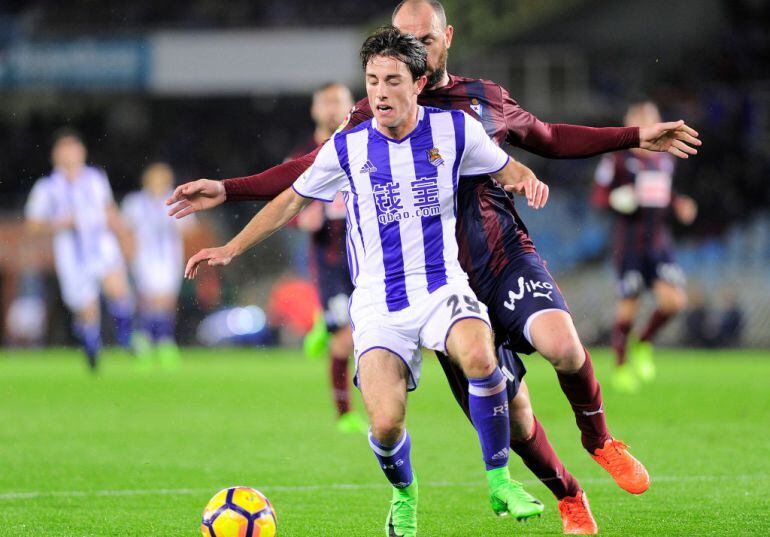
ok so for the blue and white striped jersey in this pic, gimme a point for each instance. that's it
(83, 200)
(400, 199)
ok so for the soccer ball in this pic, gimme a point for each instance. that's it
(239, 512)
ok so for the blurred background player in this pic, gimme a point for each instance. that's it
(636, 186)
(157, 264)
(75, 205)
(325, 222)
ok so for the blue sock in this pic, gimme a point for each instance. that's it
(91, 338)
(122, 312)
(488, 402)
(164, 327)
(395, 460)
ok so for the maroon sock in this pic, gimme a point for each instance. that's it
(538, 455)
(340, 385)
(620, 332)
(585, 395)
(658, 320)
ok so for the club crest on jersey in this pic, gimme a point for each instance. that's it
(476, 106)
(434, 157)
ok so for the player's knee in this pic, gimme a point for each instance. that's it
(478, 361)
(386, 429)
(673, 302)
(565, 352)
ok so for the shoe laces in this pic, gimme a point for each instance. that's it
(401, 513)
(615, 451)
(514, 488)
(576, 510)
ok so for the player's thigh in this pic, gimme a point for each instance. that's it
(525, 291)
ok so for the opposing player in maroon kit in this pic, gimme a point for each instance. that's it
(326, 225)
(497, 253)
(636, 186)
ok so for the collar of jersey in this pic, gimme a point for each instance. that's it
(421, 122)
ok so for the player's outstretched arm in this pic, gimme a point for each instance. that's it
(270, 219)
(196, 196)
(673, 137)
(519, 179)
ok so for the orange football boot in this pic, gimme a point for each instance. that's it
(628, 473)
(576, 517)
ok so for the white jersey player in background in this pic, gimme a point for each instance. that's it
(398, 173)
(74, 203)
(157, 264)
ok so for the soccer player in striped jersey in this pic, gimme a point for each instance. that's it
(157, 264)
(74, 203)
(496, 250)
(636, 186)
(399, 173)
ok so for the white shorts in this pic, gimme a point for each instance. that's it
(154, 280)
(426, 324)
(80, 283)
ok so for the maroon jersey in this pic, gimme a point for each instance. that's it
(490, 234)
(643, 233)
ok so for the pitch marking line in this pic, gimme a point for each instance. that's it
(11, 495)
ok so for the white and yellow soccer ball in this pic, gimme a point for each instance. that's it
(239, 512)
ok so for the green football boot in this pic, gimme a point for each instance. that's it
(350, 422)
(508, 497)
(624, 379)
(168, 355)
(143, 350)
(640, 354)
(402, 517)
(316, 341)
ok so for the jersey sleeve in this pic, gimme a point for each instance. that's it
(561, 140)
(324, 178)
(38, 206)
(481, 156)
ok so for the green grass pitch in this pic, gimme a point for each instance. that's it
(133, 453)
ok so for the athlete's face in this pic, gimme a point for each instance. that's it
(642, 114)
(68, 152)
(330, 106)
(421, 21)
(158, 178)
(392, 91)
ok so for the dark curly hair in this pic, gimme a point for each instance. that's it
(389, 41)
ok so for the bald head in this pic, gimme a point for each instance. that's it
(420, 8)
(426, 20)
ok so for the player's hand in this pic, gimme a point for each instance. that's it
(673, 137)
(527, 184)
(196, 196)
(685, 209)
(215, 256)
